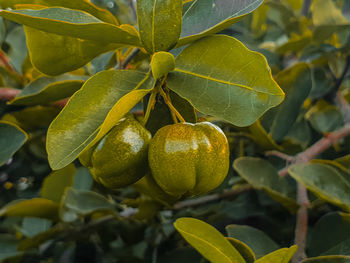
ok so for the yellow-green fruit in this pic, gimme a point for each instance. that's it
(120, 158)
(189, 159)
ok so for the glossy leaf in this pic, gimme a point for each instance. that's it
(77, 203)
(32, 226)
(36, 207)
(245, 251)
(159, 22)
(257, 240)
(208, 241)
(322, 240)
(83, 179)
(73, 23)
(328, 259)
(262, 175)
(296, 82)
(45, 90)
(221, 77)
(11, 140)
(82, 5)
(205, 17)
(283, 255)
(80, 121)
(56, 182)
(324, 181)
(43, 53)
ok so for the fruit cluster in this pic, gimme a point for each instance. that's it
(181, 160)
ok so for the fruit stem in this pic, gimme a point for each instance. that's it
(170, 105)
(150, 105)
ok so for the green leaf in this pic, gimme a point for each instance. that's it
(162, 63)
(283, 255)
(328, 259)
(262, 138)
(296, 82)
(257, 240)
(325, 117)
(36, 207)
(325, 12)
(73, 23)
(324, 181)
(321, 240)
(77, 203)
(83, 179)
(208, 241)
(245, 251)
(219, 76)
(262, 175)
(46, 89)
(83, 119)
(205, 17)
(159, 22)
(82, 5)
(56, 182)
(32, 226)
(8, 247)
(43, 53)
(12, 139)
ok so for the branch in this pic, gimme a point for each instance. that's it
(210, 198)
(5, 61)
(8, 93)
(306, 7)
(318, 147)
(128, 59)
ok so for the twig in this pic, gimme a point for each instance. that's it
(5, 61)
(280, 155)
(306, 7)
(128, 59)
(318, 147)
(301, 225)
(8, 93)
(210, 198)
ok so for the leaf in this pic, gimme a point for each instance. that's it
(8, 247)
(322, 240)
(12, 139)
(262, 175)
(80, 121)
(32, 226)
(328, 259)
(73, 23)
(36, 207)
(324, 181)
(257, 240)
(46, 89)
(325, 12)
(262, 138)
(205, 17)
(296, 82)
(77, 203)
(82, 179)
(283, 255)
(208, 241)
(159, 22)
(219, 76)
(245, 251)
(82, 5)
(325, 117)
(56, 182)
(18, 50)
(43, 53)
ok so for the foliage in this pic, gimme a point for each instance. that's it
(273, 75)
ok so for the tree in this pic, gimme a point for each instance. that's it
(106, 149)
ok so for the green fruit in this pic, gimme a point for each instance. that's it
(189, 159)
(120, 158)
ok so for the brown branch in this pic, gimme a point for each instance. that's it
(5, 61)
(318, 147)
(301, 225)
(8, 93)
(210, 198)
